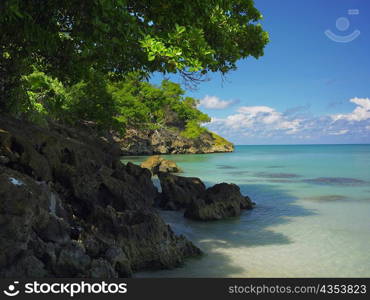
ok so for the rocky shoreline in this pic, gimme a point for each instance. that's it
(170, 141)
(70, 208)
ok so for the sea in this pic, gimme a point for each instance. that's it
(312, 214)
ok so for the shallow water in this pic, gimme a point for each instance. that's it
(312, 217)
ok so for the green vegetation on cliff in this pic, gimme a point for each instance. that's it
(113, 104)
(219, 140)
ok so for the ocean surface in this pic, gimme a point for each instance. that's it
(312, 217)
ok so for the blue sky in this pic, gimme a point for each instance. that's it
(307, 88)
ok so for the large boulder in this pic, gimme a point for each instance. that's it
(157, 164)
(179, 192)
(23, 206)
(145, 240)
(220, 201)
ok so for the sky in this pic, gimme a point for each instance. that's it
(312, 86)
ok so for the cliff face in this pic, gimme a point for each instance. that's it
(70, 208)
(170, 141)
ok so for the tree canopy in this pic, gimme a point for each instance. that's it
(112, 104)
(66, 38)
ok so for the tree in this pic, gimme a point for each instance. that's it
(112, 104)
(65, 38)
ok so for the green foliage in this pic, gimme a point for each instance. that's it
(193, 130)
(46, 95)
(65, 38)
(110, 104)
(91, 100)
(219, 140)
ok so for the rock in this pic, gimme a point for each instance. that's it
(158, 164)
(93, 247)
(27, 266)
(220, 201)
(170, 141)
(129, 231)
(152, 163)
(179, 192)
(4, 160)
(23, 205)
(119, 261)
(100, 268)
(45, 252)
(169, 166)
(133, 175)
(70, 208)
(72, 260)
(56, 230)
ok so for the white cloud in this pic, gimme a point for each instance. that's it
(340, 132)
(213, 102)
(267, 125)
(238, 121)
(256, 118)
(254, 110)
(360, 113)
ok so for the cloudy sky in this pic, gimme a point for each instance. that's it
(307, 88)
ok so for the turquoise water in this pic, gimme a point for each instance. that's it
(312, 217)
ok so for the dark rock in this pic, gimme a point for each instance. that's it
(146, 240)
(119, 261)
(4, 160)
(220, 201)
(45, 252)
(70, 208)
(179, 192)
(100, 268)
(27, 266)
(22, 206)
(56, 230)
(92, 246)
(72, 260)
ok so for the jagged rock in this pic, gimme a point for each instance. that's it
(27, 266)
(100, 268)
(179, 192)
(170, 141)
(54, 230)
(72, 260)
(129, 230)
(158, 164)
(66, 201)
(92, 246)
(119, 261)
(220, 201)
(4, 160)
(22, 206)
